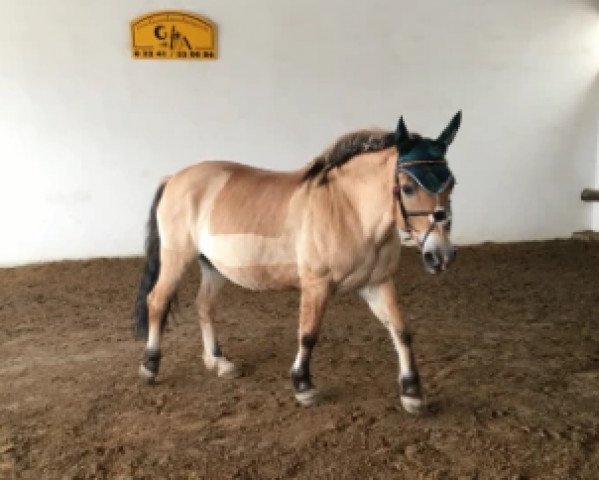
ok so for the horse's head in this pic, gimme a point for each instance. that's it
(423, 187)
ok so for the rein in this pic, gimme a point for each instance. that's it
(437, 216)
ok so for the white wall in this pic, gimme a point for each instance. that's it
(86, 132)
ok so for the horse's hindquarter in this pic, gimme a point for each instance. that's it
(249, 235)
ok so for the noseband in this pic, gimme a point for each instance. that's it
(439, 215)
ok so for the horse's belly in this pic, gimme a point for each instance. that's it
(252, 261)
(262, 277)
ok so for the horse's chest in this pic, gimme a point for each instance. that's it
(375, 265)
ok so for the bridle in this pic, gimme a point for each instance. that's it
(438, 216)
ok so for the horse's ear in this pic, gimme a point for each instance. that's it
(450, 131)
(402, 135)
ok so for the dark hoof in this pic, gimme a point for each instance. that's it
(150, 366)
(411, 394)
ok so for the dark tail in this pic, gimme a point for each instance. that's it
(150, 273)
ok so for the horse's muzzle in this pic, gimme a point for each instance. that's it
(438, 259)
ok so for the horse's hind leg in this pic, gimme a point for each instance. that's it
(172, 267)
(382, 301)
(211, 284)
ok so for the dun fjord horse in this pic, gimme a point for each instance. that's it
(331, 226)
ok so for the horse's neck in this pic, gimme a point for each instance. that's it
(362, 191)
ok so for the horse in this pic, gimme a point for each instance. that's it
(334, 225)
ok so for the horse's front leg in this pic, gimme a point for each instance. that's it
(382, 301)
(312, 305)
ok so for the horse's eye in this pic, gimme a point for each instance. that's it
(408, 189)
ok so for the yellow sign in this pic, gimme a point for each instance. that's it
(173, 35)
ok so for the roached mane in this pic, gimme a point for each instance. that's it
(347, 147)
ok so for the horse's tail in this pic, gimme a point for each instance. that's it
(151, 271)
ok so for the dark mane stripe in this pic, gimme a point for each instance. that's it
(347, 147)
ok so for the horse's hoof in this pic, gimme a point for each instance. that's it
(227, 369)
(308, 398)
(412, 405)
(146, 375)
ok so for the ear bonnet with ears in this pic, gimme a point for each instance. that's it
(423, 159)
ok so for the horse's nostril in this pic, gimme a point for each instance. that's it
(429, 259)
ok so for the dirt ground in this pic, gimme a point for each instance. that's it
(507, 342)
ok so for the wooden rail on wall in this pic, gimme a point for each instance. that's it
(589, 195)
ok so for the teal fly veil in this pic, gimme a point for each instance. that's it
(423, 159)
(426, 165)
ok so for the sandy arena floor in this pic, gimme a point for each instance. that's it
(507, 343)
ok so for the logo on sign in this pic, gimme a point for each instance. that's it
(173, 35)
